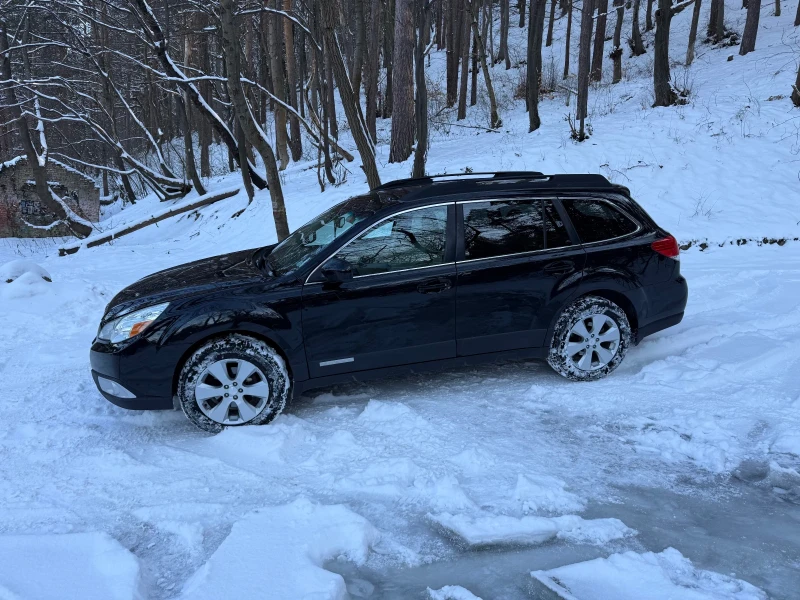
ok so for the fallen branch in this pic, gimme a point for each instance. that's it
(93, 241)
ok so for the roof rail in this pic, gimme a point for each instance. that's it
(429, 179)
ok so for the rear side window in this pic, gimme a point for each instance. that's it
(596, 220)
(556, 233)
(501, 227)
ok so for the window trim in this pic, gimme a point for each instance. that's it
(461, 249)
(372, 226)
(614, 206)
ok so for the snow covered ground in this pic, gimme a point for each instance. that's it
(472, 477)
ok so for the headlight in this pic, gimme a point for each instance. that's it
(131, 324)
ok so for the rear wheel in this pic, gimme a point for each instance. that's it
(232, 381)
(590, 340)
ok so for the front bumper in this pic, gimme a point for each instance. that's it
(107, 365)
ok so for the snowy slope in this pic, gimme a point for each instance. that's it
(694, 442)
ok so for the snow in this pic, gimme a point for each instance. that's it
(282, 549)
(630, 576)
(89, 566)
(451, 592)
(694, 441)
(15, 268)
(506, 530)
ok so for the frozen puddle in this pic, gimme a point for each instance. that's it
(89, 566)
(630, 576)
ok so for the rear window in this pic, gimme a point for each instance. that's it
(596, 220)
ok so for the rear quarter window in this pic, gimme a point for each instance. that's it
(596, 220)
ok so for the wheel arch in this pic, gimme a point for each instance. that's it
(272, 343)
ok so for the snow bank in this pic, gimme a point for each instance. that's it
(451, 592)
(89, 566)
(10, 271)
(278, 552)
(631, 576)
(500, 530)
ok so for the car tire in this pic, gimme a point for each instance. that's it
(590, 339)
(213, 399)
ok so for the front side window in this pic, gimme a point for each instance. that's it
(408, 240)
(502, 227)
(596, 220)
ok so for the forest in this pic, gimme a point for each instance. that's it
(107, 86)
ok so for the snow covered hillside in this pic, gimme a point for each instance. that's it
(677, 475)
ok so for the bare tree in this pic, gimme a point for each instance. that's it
(403, 82)
(797, 16)
(421, 13)
(550, 24)
(534, 75)
(648, 21)
(750, 27)
(693, 32)
(584, 58)
(716, 20)
(599, 40)
(637, 45)
(796, 89)
(616, 52)
(465, 43)
(567, 41)
(494, 115)
(521, 10)
(505, 17)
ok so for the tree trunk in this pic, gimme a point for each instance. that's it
(664, 94)
(351, 108)
(188, 147)
(599, 41)
(388, 57)
(693, 32)
(750, 27)
(797, 16)
(454, 31)
(421, 100)
(371, 69)
(648, 21)
(716, 20)
(253, 133)
(465, 43)
(796, 90)
(521, 7)
(505, 18)
(584, 58)
(295, 139)
(637, 45)
(567, 41)
(278, 86)
(494, 116)
(549, 41)
(616, 53)
(473, 89)
(403, 82)
(358, 47)
(777, 8)
(534, 66)
(56, 210)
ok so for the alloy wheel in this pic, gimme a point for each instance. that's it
(232, 391)
(593, 342)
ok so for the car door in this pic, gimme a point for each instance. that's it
(399, 307)
(516, 260)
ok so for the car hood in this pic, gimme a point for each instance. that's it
(195, 277)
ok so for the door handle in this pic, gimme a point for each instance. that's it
(559, 267)
(433, 287)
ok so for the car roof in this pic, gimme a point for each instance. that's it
(506, 181)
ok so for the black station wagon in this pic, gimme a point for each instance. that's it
(416, 274)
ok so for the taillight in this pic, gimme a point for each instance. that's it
(668, 247)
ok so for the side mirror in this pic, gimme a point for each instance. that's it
(337, 270)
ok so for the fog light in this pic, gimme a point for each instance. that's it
(113, 388)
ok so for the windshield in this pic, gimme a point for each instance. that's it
(307, 241)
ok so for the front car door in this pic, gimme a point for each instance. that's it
(516, 265)
(399, 307)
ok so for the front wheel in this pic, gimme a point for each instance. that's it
(232, 381)
(590, 339)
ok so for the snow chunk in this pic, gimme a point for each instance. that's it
(631, 576)
(506, 530)
(451, 592)
(542, 492)
(282, 549)
(787, 442)
(11, 271)
(89, 566)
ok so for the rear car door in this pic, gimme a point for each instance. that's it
(399, 308)
(516, 261)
